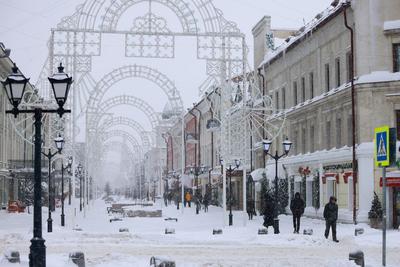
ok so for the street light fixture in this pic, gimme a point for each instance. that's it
(286, 148)
(15, 85)
(59, 141)
(230, 170)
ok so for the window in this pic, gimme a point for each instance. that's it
(330, 188)
(277, 100)
(303, 140)
(327, 78)
(328, 135)
(303, 89)
(338, 133)
(295, 100)
(349, 64)
(295, 143)
(311, 85)
(284, 98)
(312, 140)
(349, 131)
(337, 61)
(396, 57)
(398, 123)
(309, 194)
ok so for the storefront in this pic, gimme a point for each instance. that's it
(393, 184)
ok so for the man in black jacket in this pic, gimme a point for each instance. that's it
(297, 208)
(331, 216)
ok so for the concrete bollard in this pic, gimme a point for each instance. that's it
(159, 262)
(12, 256)
(358, 231)
(77, 258)
(123, 230)
(263, 231)
(115, 220)
(169, 231)
(357, 257)
(308, 232)
(171, 219)
(217, 231)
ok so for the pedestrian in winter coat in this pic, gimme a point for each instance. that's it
(331, 216)
(268, 212)
(250, 208)
(206, 202)
(297, 208)
(188, 198)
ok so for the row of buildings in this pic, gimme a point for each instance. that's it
(308, 77)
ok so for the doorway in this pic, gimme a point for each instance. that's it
(396, 207)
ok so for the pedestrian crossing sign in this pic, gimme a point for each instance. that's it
(382, 155)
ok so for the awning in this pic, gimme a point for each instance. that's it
(258, 174)
(392, 179)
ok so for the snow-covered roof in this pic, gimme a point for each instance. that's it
(391, 25)
(303, 31)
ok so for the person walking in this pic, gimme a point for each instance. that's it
(268, 211)
(250, 208)
(206, 201)
(188, 199)
(331, 216)
(297, 208)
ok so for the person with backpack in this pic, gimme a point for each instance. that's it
(297, 208)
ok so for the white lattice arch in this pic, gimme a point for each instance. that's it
(131, 123)
(125, 135)
(136, 71)
(113, 146)
(124, 100)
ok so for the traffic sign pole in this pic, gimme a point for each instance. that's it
(384, 217)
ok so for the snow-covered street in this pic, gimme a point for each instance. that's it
(193, 244)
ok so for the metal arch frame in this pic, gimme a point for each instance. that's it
(93, 13)
(111, 145)
(136, 71)
(133, 101)
(134, 125)
(126, 135)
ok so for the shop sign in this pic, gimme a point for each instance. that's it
(338, 167)
(391, 182)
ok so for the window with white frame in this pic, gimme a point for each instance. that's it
(330, 188)
(309, 185)
(351, 192)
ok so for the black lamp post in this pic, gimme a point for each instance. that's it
(15, 85)
(59, 145)
(230, 170)
(63, 168)
(196, 171)
(80, 186)
(286, 147)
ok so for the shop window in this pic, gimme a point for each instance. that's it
(309, 198)
(330, 189)
(396, 57)
(351, 192)
(297, 187)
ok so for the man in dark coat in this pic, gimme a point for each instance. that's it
(268, 212)
(251, 210)
(297, 208)
(331, 216)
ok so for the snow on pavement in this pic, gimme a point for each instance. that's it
(193, 244)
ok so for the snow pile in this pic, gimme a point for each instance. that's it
(391, 25)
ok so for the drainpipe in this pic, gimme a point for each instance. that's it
(353, 111)
(199, 133)
(251, 138)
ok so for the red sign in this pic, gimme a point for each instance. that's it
(391, 182)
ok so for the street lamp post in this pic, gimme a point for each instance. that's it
(286, 147)
(63, 168)
(15, 85)
(196, 171)
(230, 170)
(80, 185)
(59, 145)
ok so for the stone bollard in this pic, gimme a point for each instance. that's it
(115, 220)
(169, 231)
(123, 230)
(308, 232)
(159, 262)
(12, 256)
(77, 258)
(358, 231)
(263, 231)
(217, 231)
(171, 219)
(357, 257)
